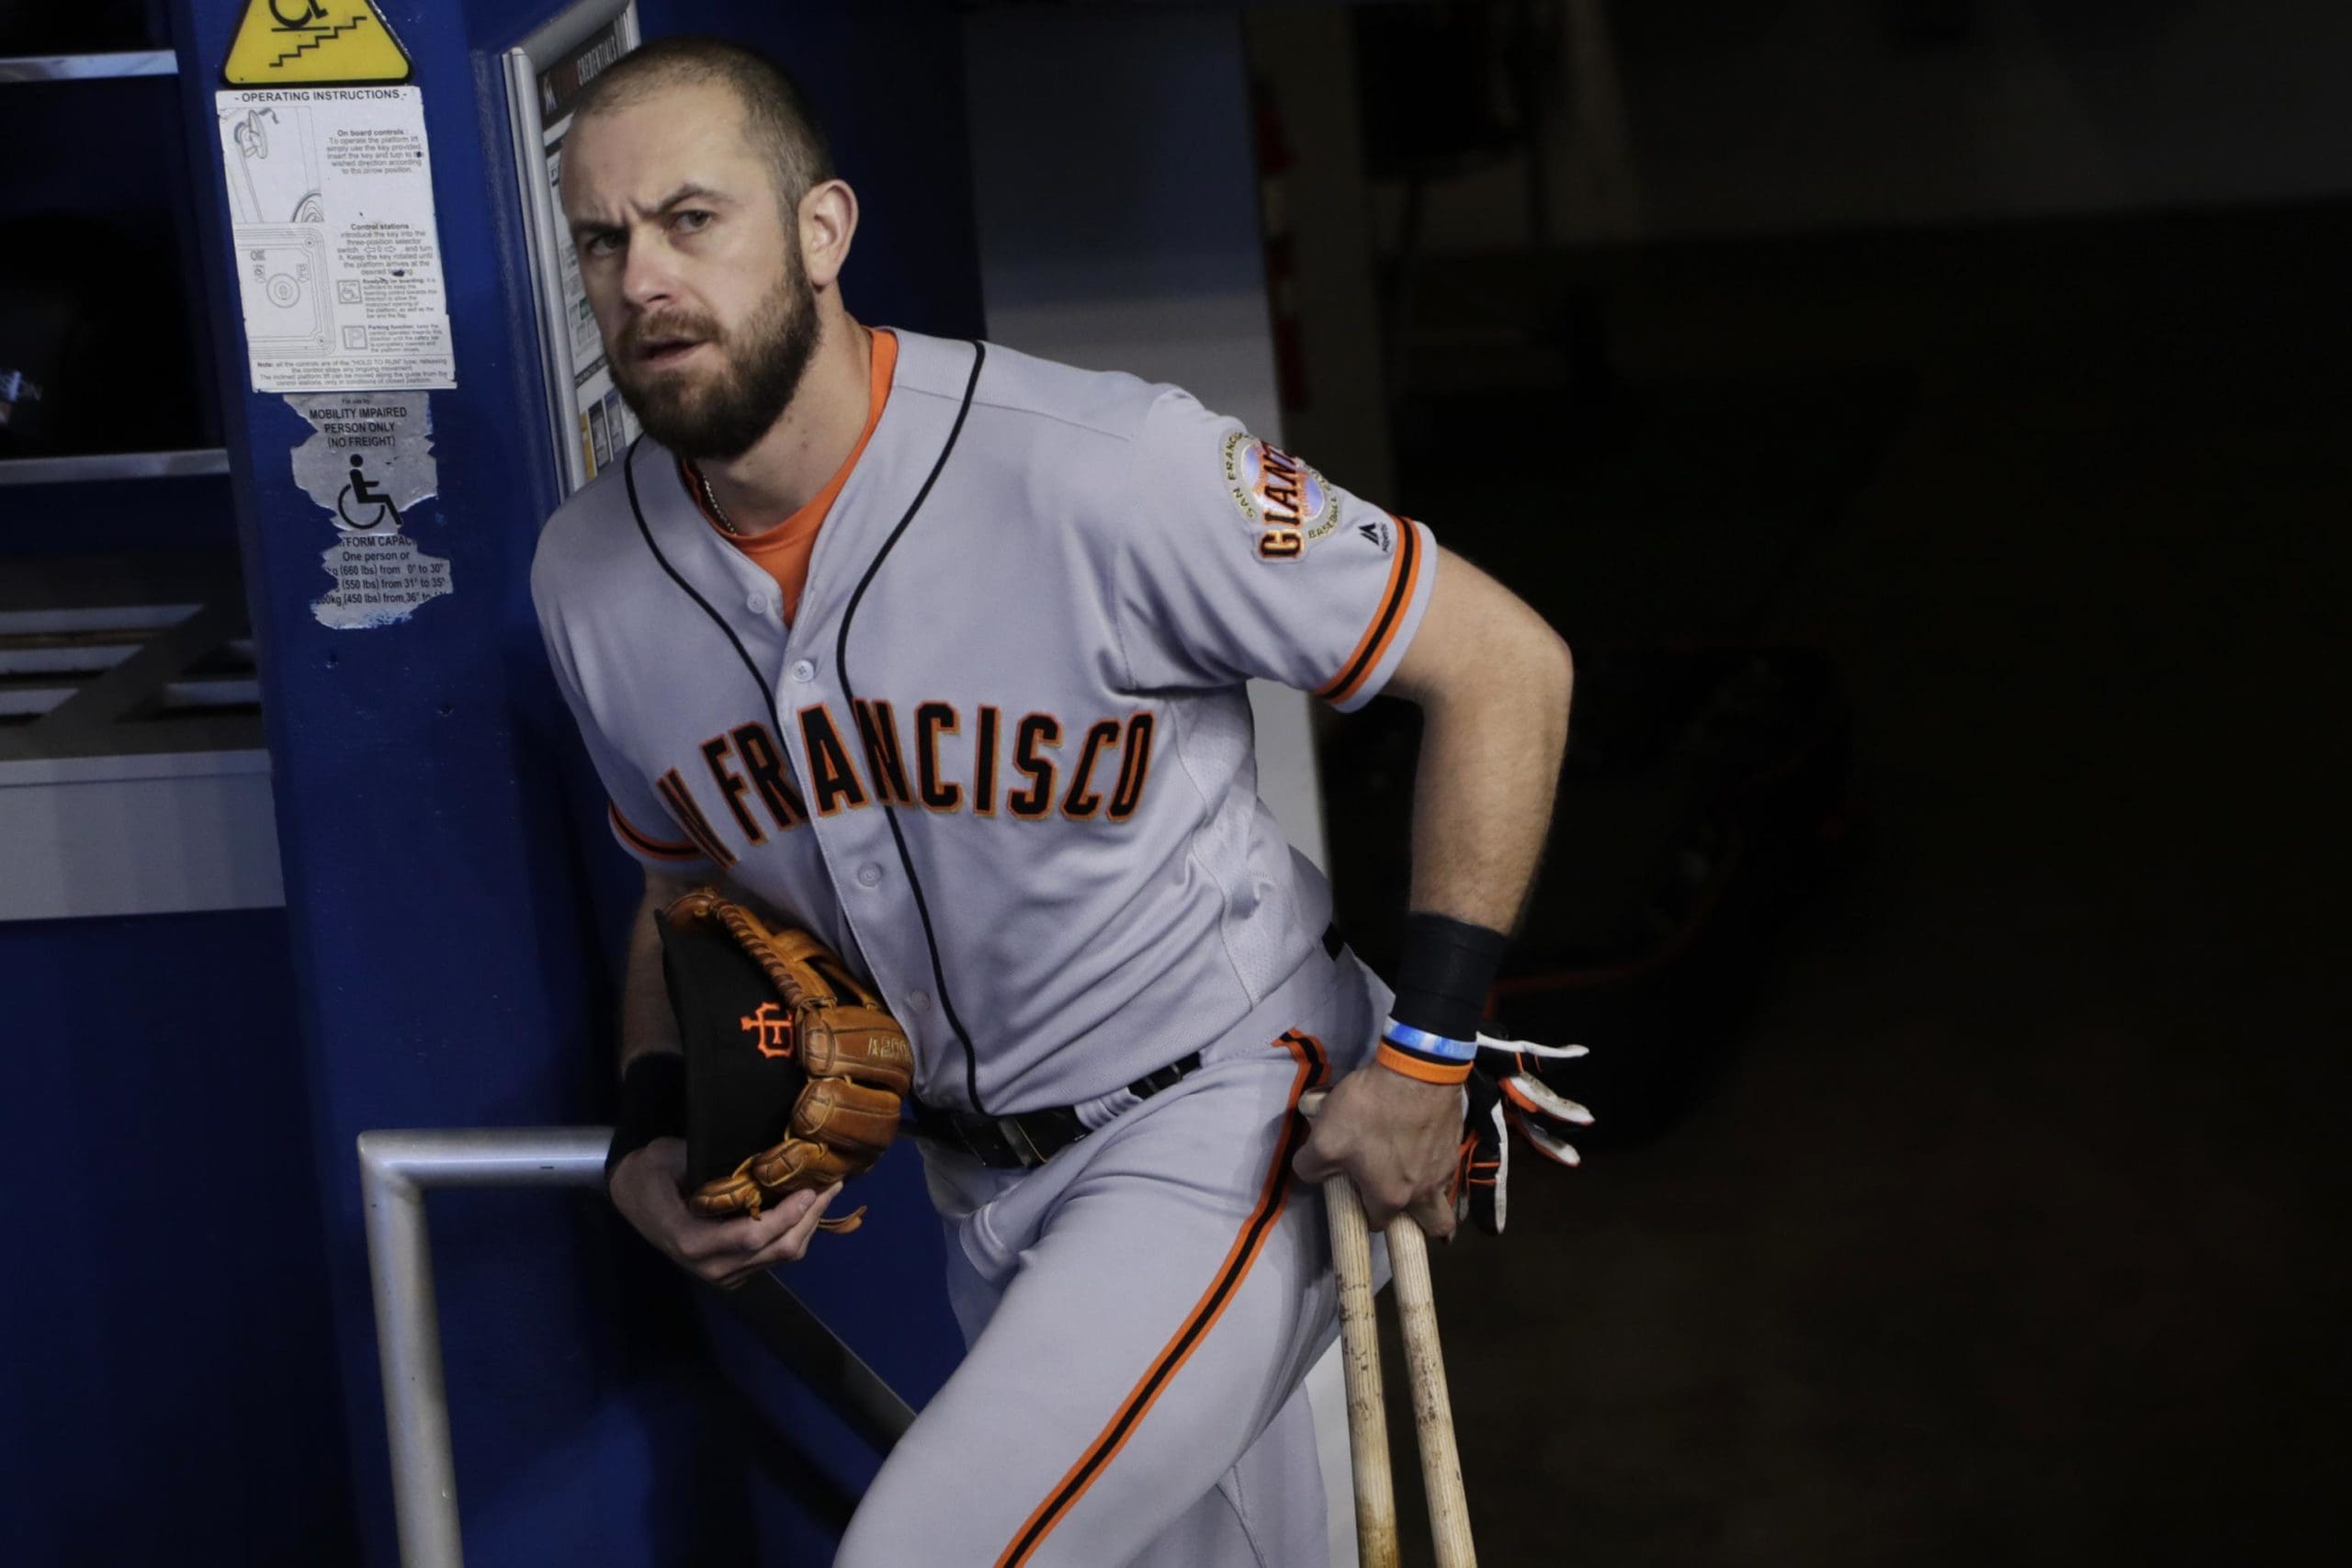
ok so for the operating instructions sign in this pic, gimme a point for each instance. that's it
(338, 256)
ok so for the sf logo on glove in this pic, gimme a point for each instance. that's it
(771, 1034)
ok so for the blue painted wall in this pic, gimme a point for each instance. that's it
(170, 1361)
(165, 1309)
(197, 1350)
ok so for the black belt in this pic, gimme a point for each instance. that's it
(1031, 1137)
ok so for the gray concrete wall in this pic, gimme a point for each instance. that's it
(1116, 187)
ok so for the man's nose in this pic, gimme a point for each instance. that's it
(649, 277)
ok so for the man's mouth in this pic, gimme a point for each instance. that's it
(661, 353)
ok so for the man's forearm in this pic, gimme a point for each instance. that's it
(1482, 795)
(1494, 723)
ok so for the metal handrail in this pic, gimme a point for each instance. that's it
(396, 1168)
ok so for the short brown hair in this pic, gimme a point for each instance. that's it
(777, 118)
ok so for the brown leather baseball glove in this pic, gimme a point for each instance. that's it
(795, 1071)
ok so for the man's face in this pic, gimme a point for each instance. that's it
(692, 266)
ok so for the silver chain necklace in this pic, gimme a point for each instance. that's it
(716, 510)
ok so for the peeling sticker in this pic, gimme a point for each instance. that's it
(370, 459)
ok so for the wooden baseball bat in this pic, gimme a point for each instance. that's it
(1359, 1351)
(1408, 1265)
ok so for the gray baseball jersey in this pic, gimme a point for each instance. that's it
(1002, 759)
(1002, 756)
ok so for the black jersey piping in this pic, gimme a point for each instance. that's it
(628, 476)
(889, 815)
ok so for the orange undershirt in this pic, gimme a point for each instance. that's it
(782, 551)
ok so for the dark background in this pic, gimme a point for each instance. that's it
(1979, 368)
(1927, 421)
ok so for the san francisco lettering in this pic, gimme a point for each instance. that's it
(936, 756)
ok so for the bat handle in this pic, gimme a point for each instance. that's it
(1408, 1263)
(1360, 1350)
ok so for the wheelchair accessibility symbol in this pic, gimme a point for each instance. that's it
(282, 43)
(354, 504)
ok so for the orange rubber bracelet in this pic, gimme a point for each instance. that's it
(1420, 1067)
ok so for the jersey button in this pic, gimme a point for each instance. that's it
(869, 875)
(757, 603)
(917, 1000)
(803, 671)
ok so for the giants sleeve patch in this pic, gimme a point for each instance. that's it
(1284, 503)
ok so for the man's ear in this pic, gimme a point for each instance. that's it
(828, 223)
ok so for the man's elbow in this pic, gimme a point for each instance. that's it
(1507, 658)
(1529, 674)
(1546, 667)
(1562, 664)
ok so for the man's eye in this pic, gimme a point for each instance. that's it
(692, 219)
(602, 244)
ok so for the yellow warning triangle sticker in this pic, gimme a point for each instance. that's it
(290, 43)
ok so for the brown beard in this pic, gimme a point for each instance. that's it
(723, 415)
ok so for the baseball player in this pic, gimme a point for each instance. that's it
(938, 651)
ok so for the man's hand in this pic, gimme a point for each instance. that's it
(647, 1190)
(1396, 1138)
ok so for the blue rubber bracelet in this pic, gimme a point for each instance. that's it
(1421, 1042)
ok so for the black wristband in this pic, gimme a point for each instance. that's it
(1449, 968)
(652, 1105)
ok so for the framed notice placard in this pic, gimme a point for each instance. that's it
(545, 76)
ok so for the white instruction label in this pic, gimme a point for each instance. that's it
(337, 257)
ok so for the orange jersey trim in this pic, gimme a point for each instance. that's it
(1404, 572)
(1415, 1067)
(646, 844)
(1313, 1064)
(783, 549)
